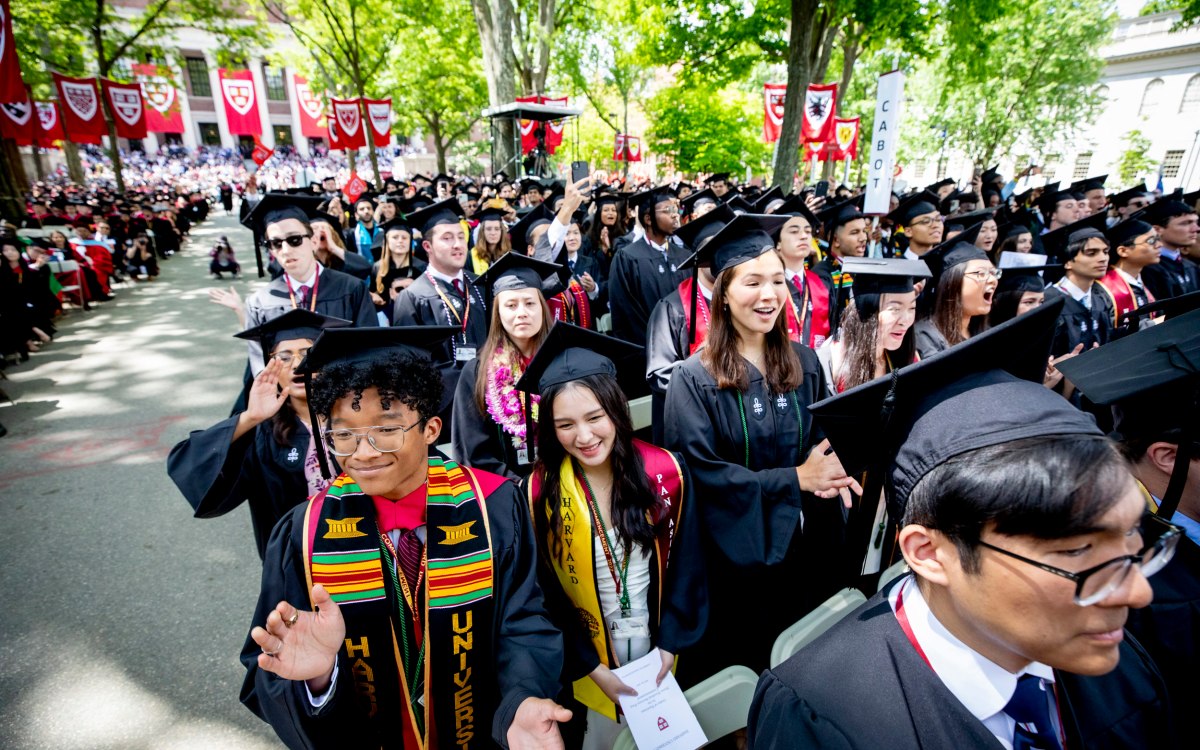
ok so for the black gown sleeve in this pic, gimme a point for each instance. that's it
(623, 299)
(662, 346)
(529, 649)
(284, 704)
(685, 603)
(404, 310)
(781, 720)
(476, 436)
(364, 308)
(211, 470)
(356, 265)
(752, 514)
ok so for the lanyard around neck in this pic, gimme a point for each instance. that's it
(312, 302)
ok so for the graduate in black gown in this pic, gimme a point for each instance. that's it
(490, 430)
(264, 455)
(397, 267)
(619, 512)
(1175, 274)
(445, 294)
(1087, 314)
(1009, 631)
(305, 283)
(400, 608)
(1154, 396)
(845, 229)
(645, 271)
(738, 412)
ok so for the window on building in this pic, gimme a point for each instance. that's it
(1171, 164)
(273, 77)
(283, 135)
(210, 134)
(1151, 97)
(1191, 95)
(919, 169)
(1083, 164)
(1050, 168)
(197, 73)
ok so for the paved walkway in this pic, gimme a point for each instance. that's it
(123, 616)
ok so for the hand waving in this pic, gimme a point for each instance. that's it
(301, 645)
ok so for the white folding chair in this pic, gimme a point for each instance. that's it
(70, 267)
(641, 412)
(814, 624)
(892, 573)
(604, 324)
(721, 704)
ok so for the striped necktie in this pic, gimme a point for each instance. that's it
(1030, 708)
(409, 548)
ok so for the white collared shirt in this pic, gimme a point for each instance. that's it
(983, 687)
(297, 283)
(448, 279)
(910, 255)
(1077, 294)
(1131, 280)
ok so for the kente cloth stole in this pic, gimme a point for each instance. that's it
(576, 568)
(451, 703)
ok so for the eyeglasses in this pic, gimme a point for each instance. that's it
(293, 240)
(927, 222)
(288, 357)
(983, 274)
(383, 438)
(1095, 584)
(1150, 241)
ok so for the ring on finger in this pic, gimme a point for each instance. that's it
(292, 620)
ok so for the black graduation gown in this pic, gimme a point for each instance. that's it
(1079, 325)
(590, 265)
(420, 305)
(1170, 627)
(353, 264)
(338, 295)
(216, 476)
(863, 685)
(638, 279)
(761, 557)
(666, 348)
(527, 648)
(478, 441)
(1172, 278)
(839, 298)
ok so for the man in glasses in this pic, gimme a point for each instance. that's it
(304, 284)
(1133, 245)
(918, 224)
(1087, 316)
(400, 608)
(1178, 226)
(1028, 545)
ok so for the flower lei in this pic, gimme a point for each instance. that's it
(502, 399)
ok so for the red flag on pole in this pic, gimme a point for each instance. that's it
(261, 153)
(310, 109)
(820, 151)
(845, 134)
(554, 128)
(354, 188)
(241, 102)
(619, 147)
(379, 115)
(49, 124)
(129, 114)
(12, 86)
(820, 103)
(83, 120)
(17, 121)
(528, 127)
(773, 99)
(163, 111)
(335, 143)
(633, 148)
(347, 115)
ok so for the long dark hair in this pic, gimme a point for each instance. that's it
(860, 338)
(618, 228)
(283, 424)
(720, 354)
(948, 308)
(631, 492)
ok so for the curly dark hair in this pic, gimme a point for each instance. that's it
(411, 380)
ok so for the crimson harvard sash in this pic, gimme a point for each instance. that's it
(572, 305)
(447, 698)
(810, 330)
(702, 314)
(1121, 294)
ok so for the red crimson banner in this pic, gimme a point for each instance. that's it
(554, 128)
(820, 104)
(164, 114)
(49, 124)
(379, 115)
(261, 153)
(83, 117)
(17, 121)
(845, 132)
(331, 129)
(12, 86)
(311, 111)
(347, 115)
(627, 148)
(241, 102)
(128, 111)
(774, 95)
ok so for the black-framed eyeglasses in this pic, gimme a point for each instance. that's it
(292, 240)
(1095, 584)
(383, 438)
(927, 222)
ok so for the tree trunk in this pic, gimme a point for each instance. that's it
(13, 181)
(545, 39)
(787, 156)
(74, 164)
(37, 162)
(114, 147)
(494, 20)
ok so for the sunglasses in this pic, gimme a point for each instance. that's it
(293, 240)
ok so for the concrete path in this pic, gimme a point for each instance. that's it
(123, 616)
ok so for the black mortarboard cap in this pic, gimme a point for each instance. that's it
(974, 217)
(293, 324)
(968, 235)
(1055, 243)
(700, 196)
(1010, 230)
(767, 198)
(1049, 200)
(795, 205)
(740, 205)
(449, 211)
(952, 252)
(986, 391)
(648, 199)
(839, 214)
(935, 187)
(876, 276)
(718, 177)
(515, 271)
(743, 239)
(519, 233)
(962, 196)
(1162, 211)
(1190, 199)
(276, 206)
(912, 206)
(695, 232)
(490, 213)
(1025, 278)
(990, 174)
(570, 353)
(1090, 183)
(1121, 199)
(398, 223)
(1125, 232)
